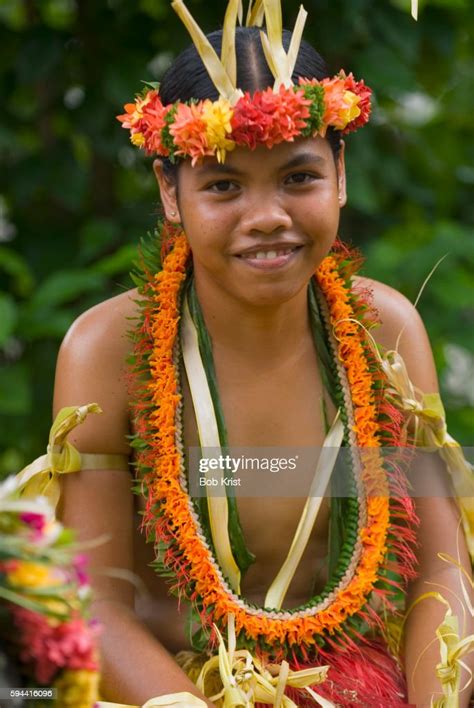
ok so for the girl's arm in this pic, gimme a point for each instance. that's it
(99, 504)
(439, 530)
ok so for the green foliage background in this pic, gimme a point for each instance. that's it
(75, 196)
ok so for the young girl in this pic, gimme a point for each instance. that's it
(271, 351)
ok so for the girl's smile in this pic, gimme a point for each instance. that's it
(270, 256)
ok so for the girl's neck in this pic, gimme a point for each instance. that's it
(256, 334)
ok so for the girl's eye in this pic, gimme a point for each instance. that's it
(300, 178)
(222, 186)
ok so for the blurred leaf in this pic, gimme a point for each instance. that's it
(44, 323)
(45, 45)
(121, 261)
(15, 391)
(11, 462)
(14, 265)
(8, 317)
(156, 10)
(65, 286)
(96, 236)
(13, 14)
(58, 14)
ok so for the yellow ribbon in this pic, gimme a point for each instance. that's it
(431, 432)
(40, 478)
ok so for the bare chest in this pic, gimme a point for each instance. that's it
(280, 410)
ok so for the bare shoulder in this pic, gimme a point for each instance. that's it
(104, 326)
(400, 322)
(92, 367)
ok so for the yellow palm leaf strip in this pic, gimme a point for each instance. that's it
(255, 14)
(240, 12)
(327, 459)
(272, 44)
(434, 434)
(40, 477)
(211, 61)
(320, 700)
(104, 461)
(452, 649)
(233, 696)
(209, 438)
(281, 64)
(228, 57)
(183, 699)
(431, 432)
(414, 9)
(296, 38)
(269, 58)
(282, 682)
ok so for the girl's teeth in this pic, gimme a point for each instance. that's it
(266, 254)
(261, 255)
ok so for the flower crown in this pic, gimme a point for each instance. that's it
(197, 129)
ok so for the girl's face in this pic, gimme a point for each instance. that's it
(261, 223)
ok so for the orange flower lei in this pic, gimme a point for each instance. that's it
(170, 517)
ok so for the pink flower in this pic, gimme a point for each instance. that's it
(51, 647)
(80, 567)
(36, 522)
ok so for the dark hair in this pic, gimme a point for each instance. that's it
(187, 77)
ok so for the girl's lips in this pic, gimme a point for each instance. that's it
(270, 263)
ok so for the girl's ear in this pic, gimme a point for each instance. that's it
(341, 175)
(168, 192)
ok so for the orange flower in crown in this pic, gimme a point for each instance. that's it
(197, 129)
(188, 131)
(340, 105)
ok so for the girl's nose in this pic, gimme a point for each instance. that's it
(266, 215)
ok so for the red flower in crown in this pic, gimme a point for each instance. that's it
(251, 121)
(364, 93)
(269, 118)
(152, 123)
(289, 115)
(133, 120)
